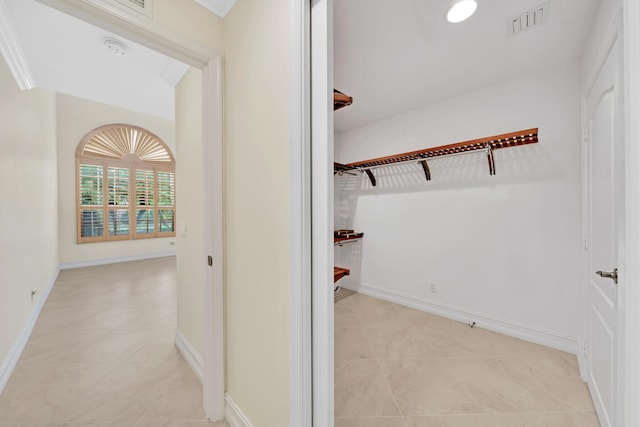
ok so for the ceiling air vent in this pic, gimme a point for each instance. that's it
(142, 6)
(532, 18)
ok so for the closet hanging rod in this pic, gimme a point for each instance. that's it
(344, 242)
(422, 162)
(340, 169)
(403, 162)
(513, 139)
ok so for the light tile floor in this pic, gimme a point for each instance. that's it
(102, 354)
(399, 367)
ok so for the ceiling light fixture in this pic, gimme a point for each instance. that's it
(115, 46)
(461, 10)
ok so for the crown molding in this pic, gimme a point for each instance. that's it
(11, 51)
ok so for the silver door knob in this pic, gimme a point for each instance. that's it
(609, 275)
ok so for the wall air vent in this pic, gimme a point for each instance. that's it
(142, 6)
(530, 19)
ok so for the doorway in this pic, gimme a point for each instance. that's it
(319, 178)
(142, 30)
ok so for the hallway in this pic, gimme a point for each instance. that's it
(103, 353)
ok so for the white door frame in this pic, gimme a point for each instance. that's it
(631, 23)
(311, 221)
(300, 329)
(311, 198)
(213, 313)
(143, 30)
(322, 210)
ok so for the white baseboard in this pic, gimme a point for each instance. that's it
(583, 363)
(517, 330)
(9, 363)
(104, 261)
(234, 415)
(190, 355)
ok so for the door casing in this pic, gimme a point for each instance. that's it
(322, 210)
(631, 387)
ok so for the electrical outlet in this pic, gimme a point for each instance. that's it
(432, 288)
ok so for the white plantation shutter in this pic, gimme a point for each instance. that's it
(145, 202)
(166, 202)
(118, 201)
(91, 201)
(118, 186)
(91, 185)
(126, 185)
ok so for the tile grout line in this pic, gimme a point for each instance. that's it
(386, 379)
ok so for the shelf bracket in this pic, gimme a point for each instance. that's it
(425, 168)
(491, 160)
(371, 177)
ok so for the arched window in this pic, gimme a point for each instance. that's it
(125, 185)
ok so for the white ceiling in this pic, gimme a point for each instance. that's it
(395, 56)
(391, 56)
(67, 55)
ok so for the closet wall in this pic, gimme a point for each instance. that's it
(503, 251)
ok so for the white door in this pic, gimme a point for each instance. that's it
(605, 230)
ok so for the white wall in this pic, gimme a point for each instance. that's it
(191, 20)
(598, 40)
(28, 210)
(189, 208)
(504, 251)
(76, 118)
(257, 209)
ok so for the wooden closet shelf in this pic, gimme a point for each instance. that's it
(339, 240)
(340, 100)
(339, 273)
(513, 139)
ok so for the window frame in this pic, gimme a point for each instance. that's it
(132, 163)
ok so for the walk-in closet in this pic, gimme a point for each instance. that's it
(468, 155)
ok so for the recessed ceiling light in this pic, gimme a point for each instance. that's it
(461, 10)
